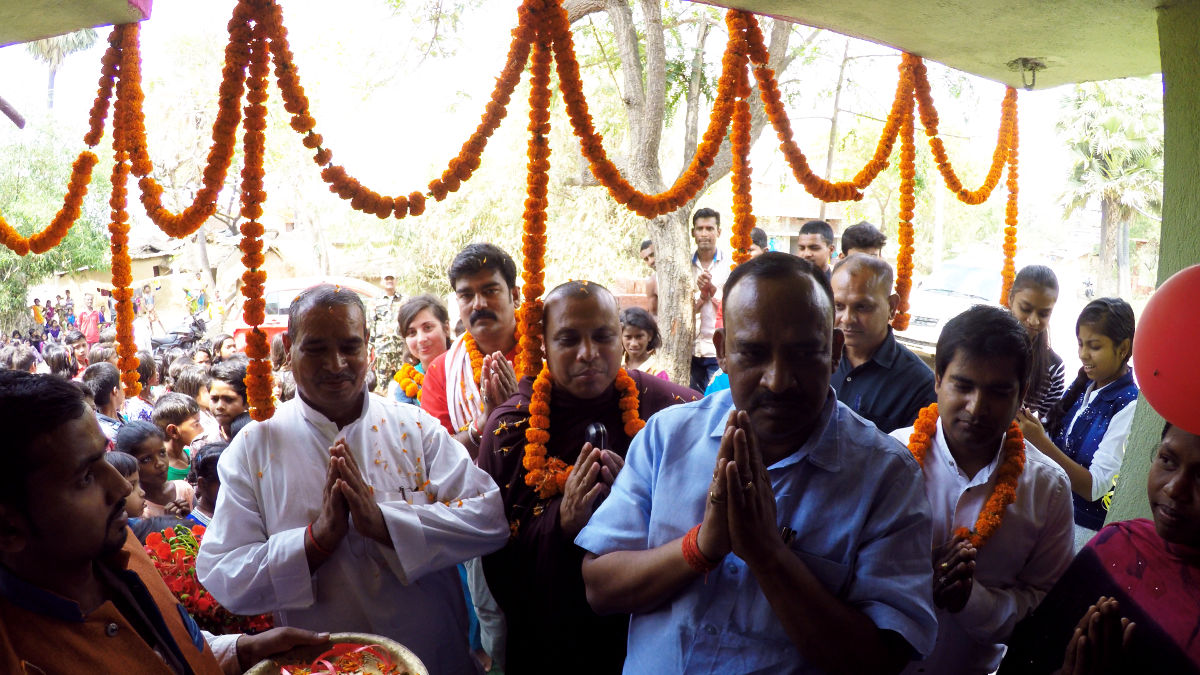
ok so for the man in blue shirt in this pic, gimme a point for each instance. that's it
(879, 378)
(767, 528)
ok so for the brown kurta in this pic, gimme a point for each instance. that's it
(536, 577)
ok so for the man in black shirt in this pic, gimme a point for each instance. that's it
(877, 377)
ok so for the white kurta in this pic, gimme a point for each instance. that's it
(439, 507)
(1014, 569)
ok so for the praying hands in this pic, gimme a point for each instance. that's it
(740, 514)
(346, 496)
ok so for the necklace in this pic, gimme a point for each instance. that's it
(410, 381)
(548, 475)
(475, 354)
(1007, 474)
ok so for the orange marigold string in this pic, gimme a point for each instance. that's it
(929, 119)
(410, 380)
(458, 170)
(476, 356)
(1008, 473)
(772, 99)
(546, 475)
(81, 171)
(224, 133)
(259, 384)
(1010, 212)
(125, 111)
(533, 240)
(692, 180)
(904, 263)
(739, 138)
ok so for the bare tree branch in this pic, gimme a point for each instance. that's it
(634, 93)
(577, 9)
(691, 125)
(655, 98)
(11, 113)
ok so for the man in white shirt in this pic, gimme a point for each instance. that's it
(349, 511)
(992, 564)
(709, 271)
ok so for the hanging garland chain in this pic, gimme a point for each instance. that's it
(904, 263)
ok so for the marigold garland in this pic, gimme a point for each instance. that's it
(904, 263)
(1008, 273)
(475, 355)
(692, 180)
(259, 378)
(533, 240)
(548, 476)
(1007, 474)
(929, 119)
(739, 138)
(410, 380)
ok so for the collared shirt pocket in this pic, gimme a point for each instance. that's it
(833, 575)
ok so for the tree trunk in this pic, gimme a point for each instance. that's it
(50, 87)
(1109, 232)
(1124, 281)
(202, 257)
(833, 120)
(11, 113)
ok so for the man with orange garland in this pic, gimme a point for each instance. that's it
(578, 402)
(466, 383)
(987, 575)
(766, 528)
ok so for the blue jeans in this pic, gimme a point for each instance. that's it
(703, 369)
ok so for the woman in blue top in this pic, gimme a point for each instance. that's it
(425, 326)
(1086, 431)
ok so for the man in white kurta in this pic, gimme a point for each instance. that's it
(270, 547)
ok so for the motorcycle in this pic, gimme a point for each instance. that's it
(184, 337)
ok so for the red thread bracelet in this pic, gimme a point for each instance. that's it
(692, 554)
(312, 538)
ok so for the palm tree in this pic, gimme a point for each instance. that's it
(54, 50)
(1115, 130)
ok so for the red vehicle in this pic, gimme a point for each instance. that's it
(280, 293)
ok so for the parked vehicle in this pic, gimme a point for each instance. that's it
(185, 336)
(280, 293)
(943, 295)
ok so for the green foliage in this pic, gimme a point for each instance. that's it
(34, 168)
(1115, 131)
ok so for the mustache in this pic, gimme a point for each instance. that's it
(480, 314)
(768, 398)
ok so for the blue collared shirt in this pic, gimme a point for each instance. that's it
(854, 497)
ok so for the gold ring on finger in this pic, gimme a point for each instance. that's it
(712, 497)
(749, 485)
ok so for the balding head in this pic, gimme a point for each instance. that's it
(582, 337)
(864, 303)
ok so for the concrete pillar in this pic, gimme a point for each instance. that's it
(1179, 246)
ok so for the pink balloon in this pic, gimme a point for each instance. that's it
(1165, 354)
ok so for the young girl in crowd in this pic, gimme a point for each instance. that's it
(640, 337)
(1086, 430)
(141, 406)
(425, 326)
(127, 466)
(1032, 298)
(227, 392)
(204, 478)
(223, 348)
(147, 444)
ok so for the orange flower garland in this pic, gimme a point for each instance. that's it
(476, 356)
(1008, 273)
(739, 139)
(904, 263)
(548, 476)
(410, 380)
(259, 384)
(692, 180)
(773, 105)
(124, 111)
(929, 119)
(1007, 474)
(533, 241)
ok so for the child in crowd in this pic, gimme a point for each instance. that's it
(178, 416)
(1086, 430)
(204, 478)
(640, 337)
(227, 393)
(127, 466)
(141, 406)
(147, 444)
(195, 381)
(1032, 298)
